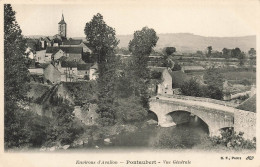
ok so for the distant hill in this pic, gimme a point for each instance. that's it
(186, 42)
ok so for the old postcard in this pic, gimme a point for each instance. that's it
(129, 83)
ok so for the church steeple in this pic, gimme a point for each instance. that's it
(62, 30)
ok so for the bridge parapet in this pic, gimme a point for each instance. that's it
(202, 99)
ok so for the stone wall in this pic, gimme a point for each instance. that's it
(245, 121)
(86, 114)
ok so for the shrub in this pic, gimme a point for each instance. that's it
(130, 110)
(192, 88)
(231, 139)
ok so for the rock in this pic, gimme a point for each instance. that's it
(43, 148)
(96, 147)
(152, 122)
(53, 148)
(107, 140)
(167, 124)
(65, 147)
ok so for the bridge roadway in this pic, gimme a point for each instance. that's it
(172, 110)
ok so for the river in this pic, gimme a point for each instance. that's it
(181, 136)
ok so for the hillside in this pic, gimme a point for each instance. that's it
(186, 42)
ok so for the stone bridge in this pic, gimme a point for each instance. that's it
(175, 111)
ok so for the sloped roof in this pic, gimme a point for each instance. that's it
(95, 66)
(76, 50)
(85, 66)
(62, 20)
(72, 64)
(72, 42)
(249, 104)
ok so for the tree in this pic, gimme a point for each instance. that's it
(235, 52)
(176, 67)
(141, 47)
(252, 52)
(209, 49)
(103, 42)
(214, 80)
(170, 50)
(16, 78)
(101, 38)
(192, 88)
(167, 61)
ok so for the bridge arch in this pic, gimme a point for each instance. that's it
(214, 119)
(181, 116)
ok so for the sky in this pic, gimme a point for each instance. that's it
(222, 19)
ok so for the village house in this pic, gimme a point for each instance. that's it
(73, 53)
(76, 43)
(83, 70)
(164, 78)
(93, 72)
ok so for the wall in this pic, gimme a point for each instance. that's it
(36, 71)
(52, 74)
(166, 86)
(91, 74)
(86, 114)
(245, 121)
(58, 55)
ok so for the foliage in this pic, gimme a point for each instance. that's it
(252, 52)
(214, 92)
(101, 38)
(156, 75)
(212, 77)
(82, 91)
(16, 78)
(103, 42)
(231, 139)
(209, 49)
(192, 88)
(170, 50)
(129, 110)
(143, 42)
(62, 125)
(141, 47)
(176, 67)
(16, 72)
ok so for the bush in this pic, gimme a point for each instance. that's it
(176, 67)
(63, 128)
(130, 110)
(192, 88)
(231, 139)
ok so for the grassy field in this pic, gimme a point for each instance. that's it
(240, 75)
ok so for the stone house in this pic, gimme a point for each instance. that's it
(40, 57)
(73, 53)
(52, 74)
(164, 86)
(76, 43)
(83, 70)
(93, 75)
(68, 71)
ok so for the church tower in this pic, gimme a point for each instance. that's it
(62, 30)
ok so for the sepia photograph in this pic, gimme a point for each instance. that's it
(120, 77)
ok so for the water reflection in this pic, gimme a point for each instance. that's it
(184, 135)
